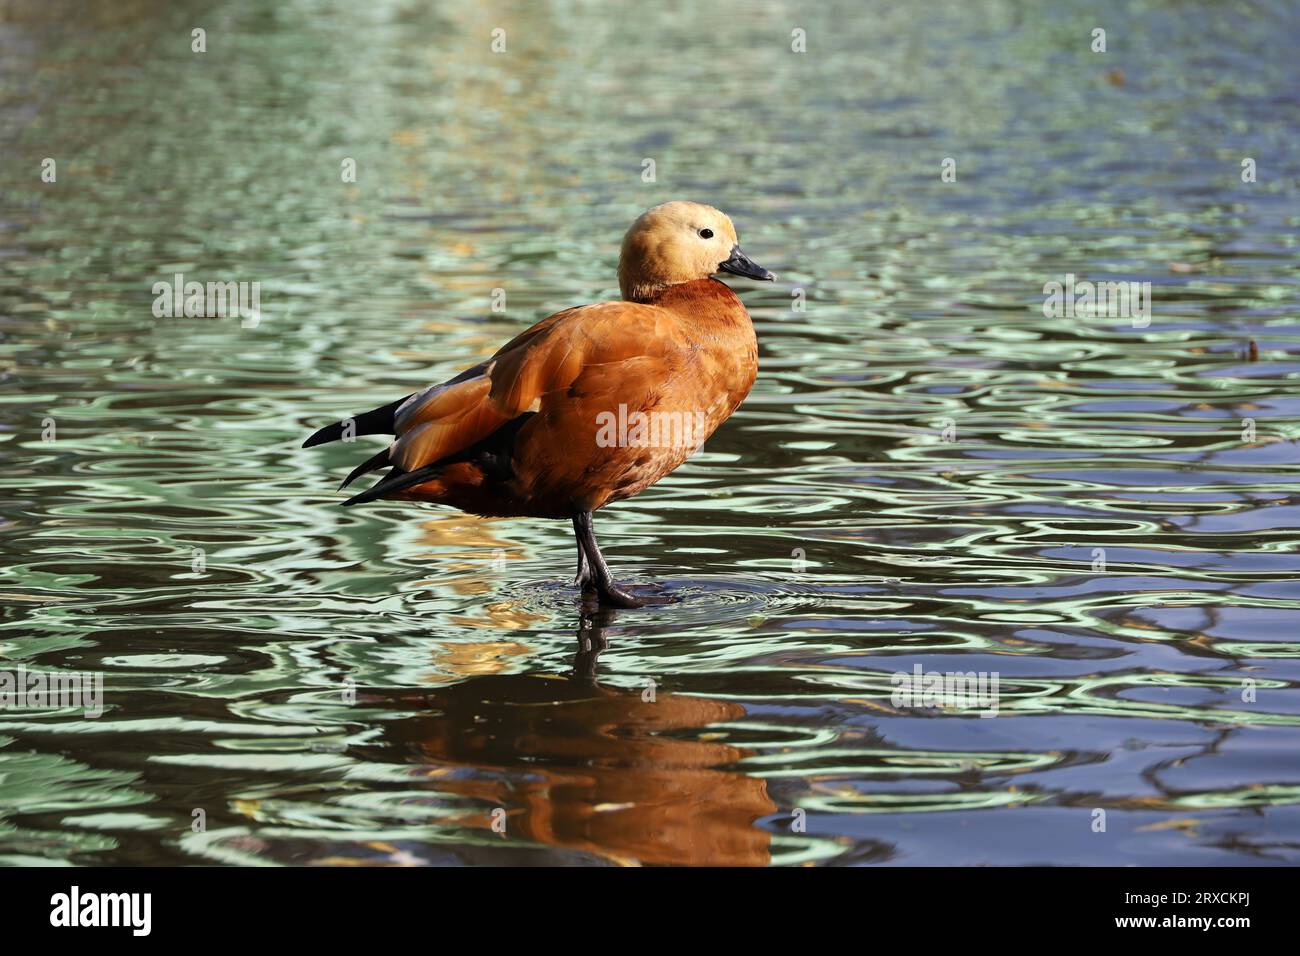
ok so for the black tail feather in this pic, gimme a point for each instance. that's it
(377, 421)
(396, 480)
(369, 465)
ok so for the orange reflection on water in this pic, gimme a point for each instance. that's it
(594, 769)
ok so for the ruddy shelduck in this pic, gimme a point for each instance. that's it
(589, 406)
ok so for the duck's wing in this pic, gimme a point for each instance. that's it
(457, 420)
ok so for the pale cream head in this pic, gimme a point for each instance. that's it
(679, 242)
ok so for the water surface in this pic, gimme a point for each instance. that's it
(380, 685)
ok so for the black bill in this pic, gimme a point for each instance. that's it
(741, 265)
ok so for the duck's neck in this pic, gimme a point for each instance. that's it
(637, 288)
(643, 292)
(703, 302)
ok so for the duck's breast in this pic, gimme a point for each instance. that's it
(650, 391)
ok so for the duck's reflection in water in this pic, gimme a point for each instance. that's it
(580, 766)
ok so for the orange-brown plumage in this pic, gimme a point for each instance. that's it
(691, 349)
(542, 428)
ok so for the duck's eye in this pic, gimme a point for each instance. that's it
(706, 233)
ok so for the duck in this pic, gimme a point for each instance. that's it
(591, 405)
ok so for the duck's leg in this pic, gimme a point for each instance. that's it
(583, 580)
(607, 589)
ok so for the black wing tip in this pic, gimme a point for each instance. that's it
(367, 466)
(370, 494)
(395, 481)
(377, 421)
(378, 489)
(323, 435)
